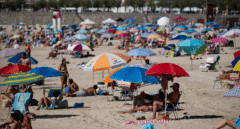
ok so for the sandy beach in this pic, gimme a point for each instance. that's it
(204, 105)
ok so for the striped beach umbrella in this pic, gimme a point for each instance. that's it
(234, 92)
(22, 78)
(134, 30)
(137, 38)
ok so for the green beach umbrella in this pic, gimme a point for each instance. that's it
(161, 29)
(22, 78)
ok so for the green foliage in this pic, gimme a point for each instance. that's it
(41, 4)
(164, 3)
(18, 4)
(150, 3)
(130, 3)
(52, 3)
(140, 3)
(33, 6)
(63, 3)
(76, 3)
(97, 4)
(86, 3)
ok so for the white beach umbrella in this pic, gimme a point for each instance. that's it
(231, 33)
(163, 21)
(109, 21)
(87, 22)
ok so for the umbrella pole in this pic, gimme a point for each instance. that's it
(191, 64)
(165, 102)
(133, 100)
(93, 77)
(125, 96)
(102, 75)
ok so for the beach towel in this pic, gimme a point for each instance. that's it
(147, 122)
(21, 99)
(148, 126)
(238, 123)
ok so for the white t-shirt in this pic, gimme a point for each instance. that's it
(16, 46)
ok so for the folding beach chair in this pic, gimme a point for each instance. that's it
(50, 94)
(211, 64)
(175, 107)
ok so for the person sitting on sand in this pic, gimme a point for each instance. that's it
(49, 101)
(24, 60)
(225, 122)
(73, 86)
(172, 98)
(88, 92)
(9, 94)
(52, 53)
(18, 120)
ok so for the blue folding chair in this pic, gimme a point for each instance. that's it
(54, 105)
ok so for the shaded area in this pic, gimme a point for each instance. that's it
(201, 117)
(53, 116)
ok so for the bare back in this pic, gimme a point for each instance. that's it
(91, 91)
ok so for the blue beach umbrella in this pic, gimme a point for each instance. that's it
(145, 35)
(234, 92)
(140, 52)
(214, 22)
(235, 27)
(181, 36)
(46, 71)
(190, 31)
(120, 28)
(192, 46)
(83, 31)
(209, 23)
(81, 37)
(142, 28)
(134, 75)
(107, 35)
(222, 33)
(206, 30)
(216, 26)
(69, 39)
(148, 25)
(129, 20)
(16, 58)
(49, 33)
(102, 31)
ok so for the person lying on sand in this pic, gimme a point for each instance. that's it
(9, 94)
(225, 122)
(88, 92)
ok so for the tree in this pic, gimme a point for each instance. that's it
(18, 4)
(76, 3)
(108, 3)
(52, 3)
(86, 3)
(41, 4)
(140, 3)
(97, 4)
(62, 3)
(130, 3)
(150, 3)
(118, 4)
(163, 3)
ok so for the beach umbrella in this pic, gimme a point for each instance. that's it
(209, 23)
(107, 79)
(16, 36)
(93, 30)
(234, 92)
(190, 31)
(192, 46)
(107, 36)
(81, 37)
(180, 28)
(218, 40)
(181, 36)
(236, 54)
(46, 72)
(118, 32)
(206, 30)
(12, 69)
(49, 33)
(199, 24)
(161, 29)
(216, 26)
(85, 43)
(22, 78)
(102, 31)
(16, 58)
(82, 47)
(123, 56)
(166, 68)
(140, 52)
(83, 31)
(9, 52)
(137, 38)
(69, 39)
(38, 25)
(129, 20)
(163, 21)
(234, 62)
(231, 33)
(134, 75)
(104, 61)
(179, 18)
(134, 30)
(145, 35)
(123, 35)
(87, 22)
(111, 31)
(140, 65)
(120, 28)
(148, 25)
(197, 33)
(235, 27)
(154, 36)
(142, 28)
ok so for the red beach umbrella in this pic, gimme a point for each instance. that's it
(12, 69)
(111, 31)
(236, 54)
(167, 68)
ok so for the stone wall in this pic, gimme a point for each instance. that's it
(73, 18)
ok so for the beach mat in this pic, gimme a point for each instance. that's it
(148, 121)
(53, 59)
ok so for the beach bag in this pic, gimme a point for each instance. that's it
(67, 89)
(4, 103)
(238, 123)
(63, 104)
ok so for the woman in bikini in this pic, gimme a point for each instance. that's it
(63, 69)
(9, 94)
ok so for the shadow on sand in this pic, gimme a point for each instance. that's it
(54, 116)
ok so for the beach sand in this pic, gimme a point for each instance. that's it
(204, 105)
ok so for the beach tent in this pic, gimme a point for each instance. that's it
(120, 20)
(164, 21)
(108, 21)
(87, 22)
(130, 19)
(179, 18)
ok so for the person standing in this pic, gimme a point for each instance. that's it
(63, 69)
(24, 60)
(28, 49)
